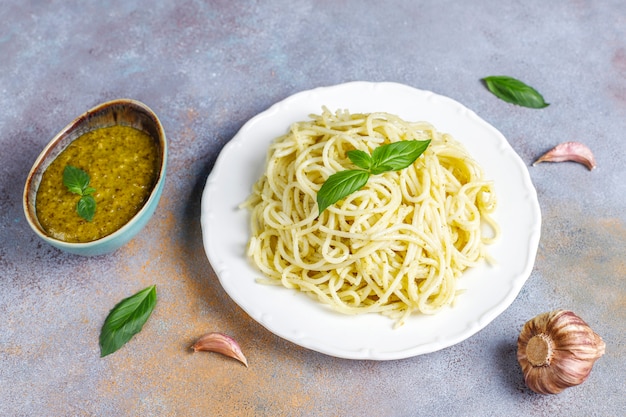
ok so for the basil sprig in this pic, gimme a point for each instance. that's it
(77, 181)
(126, 319)
(390, 157)
(514, 91)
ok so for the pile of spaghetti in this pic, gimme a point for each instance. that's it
(396, 246)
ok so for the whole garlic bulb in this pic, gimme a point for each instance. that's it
(557, 350)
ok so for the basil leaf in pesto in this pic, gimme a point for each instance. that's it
(514, 91)
(77, 181)
(126, 319)
(86, 207)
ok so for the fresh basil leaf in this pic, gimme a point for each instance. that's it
(89, 190)
(86, 207)
(514, 91)
(126, 319)
(391, 157)
(339, 185)
(397, 155)
(75, 179)
(360, 158)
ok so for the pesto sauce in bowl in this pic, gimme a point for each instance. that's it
(123, 165)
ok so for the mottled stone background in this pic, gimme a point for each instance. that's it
(206, 67)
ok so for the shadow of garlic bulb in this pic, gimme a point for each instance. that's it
(557, 350)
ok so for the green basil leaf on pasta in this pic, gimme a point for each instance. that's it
(514, 91)
(360, 158)
(126, 319)
(390, 157)
(340, 185)
(396, 156)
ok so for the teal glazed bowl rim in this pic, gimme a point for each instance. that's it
(123, 111)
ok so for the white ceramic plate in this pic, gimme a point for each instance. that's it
(302, 320)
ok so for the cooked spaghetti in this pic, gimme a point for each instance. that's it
(396, 246)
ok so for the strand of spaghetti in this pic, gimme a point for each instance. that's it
(398, 245)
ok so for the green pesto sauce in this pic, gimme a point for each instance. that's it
(122, 163)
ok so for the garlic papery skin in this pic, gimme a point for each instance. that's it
(569, 151)
(557, 350)
(220, 343)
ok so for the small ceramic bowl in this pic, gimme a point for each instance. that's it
(117, 112)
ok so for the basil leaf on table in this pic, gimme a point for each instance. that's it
(514, 91)
(126, 319)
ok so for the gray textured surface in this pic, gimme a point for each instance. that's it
(206, 68)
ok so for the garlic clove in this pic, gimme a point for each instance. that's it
(220, 343)
(569, 151)
(557, 350)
